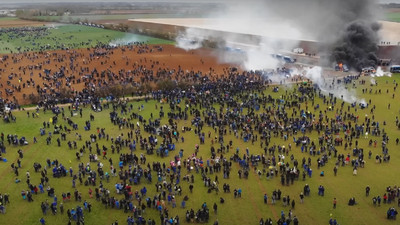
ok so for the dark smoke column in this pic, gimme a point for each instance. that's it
(358, 45)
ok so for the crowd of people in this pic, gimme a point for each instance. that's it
(246, 113)
(68, 76)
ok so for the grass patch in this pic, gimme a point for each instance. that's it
(247, 210)
(393, 16)
(68, 36)
(8, 18)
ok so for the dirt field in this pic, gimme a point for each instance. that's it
(393, 10)
(12, 73)
(390, 32)
(136, 11)
(19, 23)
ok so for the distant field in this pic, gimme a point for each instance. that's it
(2, 19)
(15, 22)
(393, 16)
(68, 36)
(97, 17)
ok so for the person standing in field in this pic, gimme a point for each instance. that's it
(334, 203)
(301, 198)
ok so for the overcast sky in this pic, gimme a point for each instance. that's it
(31, 1)
(389, 1)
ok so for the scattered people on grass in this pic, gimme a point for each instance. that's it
(257, 120)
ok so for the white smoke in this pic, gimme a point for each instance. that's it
(190, 39)
(373, 81)
(129, 39)
(259, 60)
(123, 41)
(256, 28)
(380, 73)
(287, 21)
(315, 74)
(231, 50)
(277, 27)
(340, 91)
(260, 57)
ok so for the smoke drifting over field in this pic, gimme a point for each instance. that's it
(347, 30)
(330, 87)
(191, 39)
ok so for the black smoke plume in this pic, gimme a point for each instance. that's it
(357, 46)
(356, 43)
(347, 30)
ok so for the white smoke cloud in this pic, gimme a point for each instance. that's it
(340, 91)
(126, 40)
(191, 39)
(373, 81)
(282, 23)
(259, 59)
(277, 27)
(380, 73)
(247, 52)
(254, 28)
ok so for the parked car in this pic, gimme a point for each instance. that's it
(395, 69)
(342, 67)
(368, 70)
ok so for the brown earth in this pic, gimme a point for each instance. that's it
(392, 10)
(170, 58)
(20, 23)
(132, 11)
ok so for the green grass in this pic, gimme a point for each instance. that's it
(248, 209)
(8, 18)
(69, 36)
(49, 18)
(393, 16)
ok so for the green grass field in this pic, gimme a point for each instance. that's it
(68, 36)
(247, 210)
(393, 16)
(8, 18)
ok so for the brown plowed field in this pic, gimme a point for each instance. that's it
(18, 69)
(20, 23)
